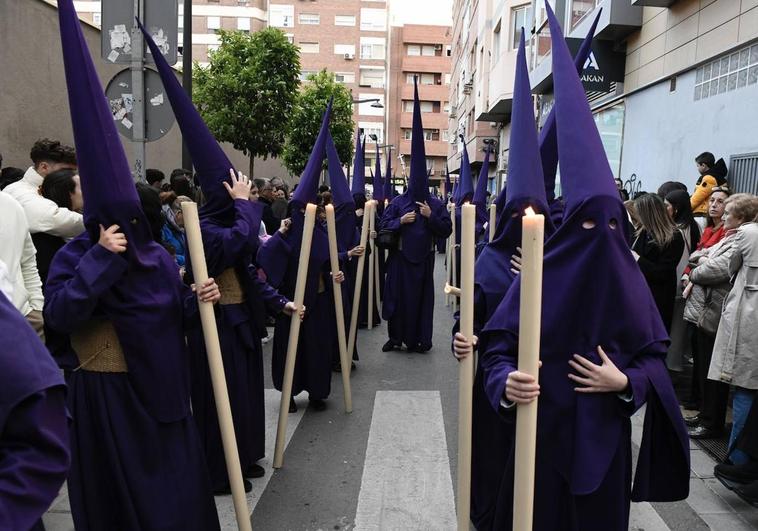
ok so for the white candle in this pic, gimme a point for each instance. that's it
(493, 220)
(466, 366)
(532, 246)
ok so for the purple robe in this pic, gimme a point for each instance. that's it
(318, 332)
(240, 327)
(126, 453)
(34, 433)
(408, 304)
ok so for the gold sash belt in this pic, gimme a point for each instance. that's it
(98, 348)
(230, 287)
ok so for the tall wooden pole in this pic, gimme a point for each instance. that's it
(372, 262)
(359, 279)
(289, 364)
(331, 227)
(216, 366)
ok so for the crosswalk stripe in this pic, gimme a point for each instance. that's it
(406, 481)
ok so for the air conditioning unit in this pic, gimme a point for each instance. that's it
(467, 87)
(349, 56)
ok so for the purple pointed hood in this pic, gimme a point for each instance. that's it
(110, 196)
(388, 188)
(418, 183)
(378, 182)
(307, 188)
(548, 137)
(524, 188)
(344, 205)
(358, 186)
(589, 274)
(448, 186)
(210, 162)
(465, 180)
(480, 193)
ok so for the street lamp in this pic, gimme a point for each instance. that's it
(377, 104)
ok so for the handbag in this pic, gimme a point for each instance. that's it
(387, 239)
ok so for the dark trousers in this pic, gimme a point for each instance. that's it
(715, 395)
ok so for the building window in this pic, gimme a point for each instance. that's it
(341, 49)
(308, 47)
(344, 20)
(290, 38)
(431, 135)
(429, 164)
(310, 19)
(243, 24)
(181, 23)
(373, 19)
(448, 50)
(446, 135)
(407, 134)
(344, 77)
(446, 107)
(423, 78)
(281, 15)
(725, 74)
(447, 79)
(372, 48)
(496, 42)
(414, 49)
(579, 9)
(372, 78)
(426, 106)
(304, 75)
(214, 23)
(521, 17)
(373, 128)
(428, 50)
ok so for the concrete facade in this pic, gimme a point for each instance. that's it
(422, 51)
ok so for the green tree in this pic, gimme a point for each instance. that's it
(247, 92)
(305, 120)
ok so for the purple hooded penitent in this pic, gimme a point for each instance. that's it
(210, 162)
(448, 186)
(409, 291)
(125, 423)
(358, 184)
(595, 295)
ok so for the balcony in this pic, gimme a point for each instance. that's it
(653, 3)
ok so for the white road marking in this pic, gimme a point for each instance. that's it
(406, 481)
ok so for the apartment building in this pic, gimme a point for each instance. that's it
(423, 52)
(348, 38)
(668, 79)
(471, 45)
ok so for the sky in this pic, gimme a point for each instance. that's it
(436, 12)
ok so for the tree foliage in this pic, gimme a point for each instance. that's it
(305, 121)
(247, 92)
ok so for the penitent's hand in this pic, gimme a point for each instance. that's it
(462, 347)
(208, 291)
(358, 250)
(241, 185)
(339, 278)
(516, 262)
(289, 309)
(285, 225)
(410, 217)
(112, 239)
(424, 209)
(604, 378)
(521, 388)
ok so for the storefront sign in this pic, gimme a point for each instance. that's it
(604, 65)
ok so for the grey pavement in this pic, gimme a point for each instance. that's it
(322, 485)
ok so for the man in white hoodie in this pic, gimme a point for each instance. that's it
(18, 253)
(43, 215)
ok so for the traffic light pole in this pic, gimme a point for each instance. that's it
(138, 94)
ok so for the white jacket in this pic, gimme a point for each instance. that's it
(18, 253)
(42, 214)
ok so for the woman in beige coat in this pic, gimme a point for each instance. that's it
(735, 353)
